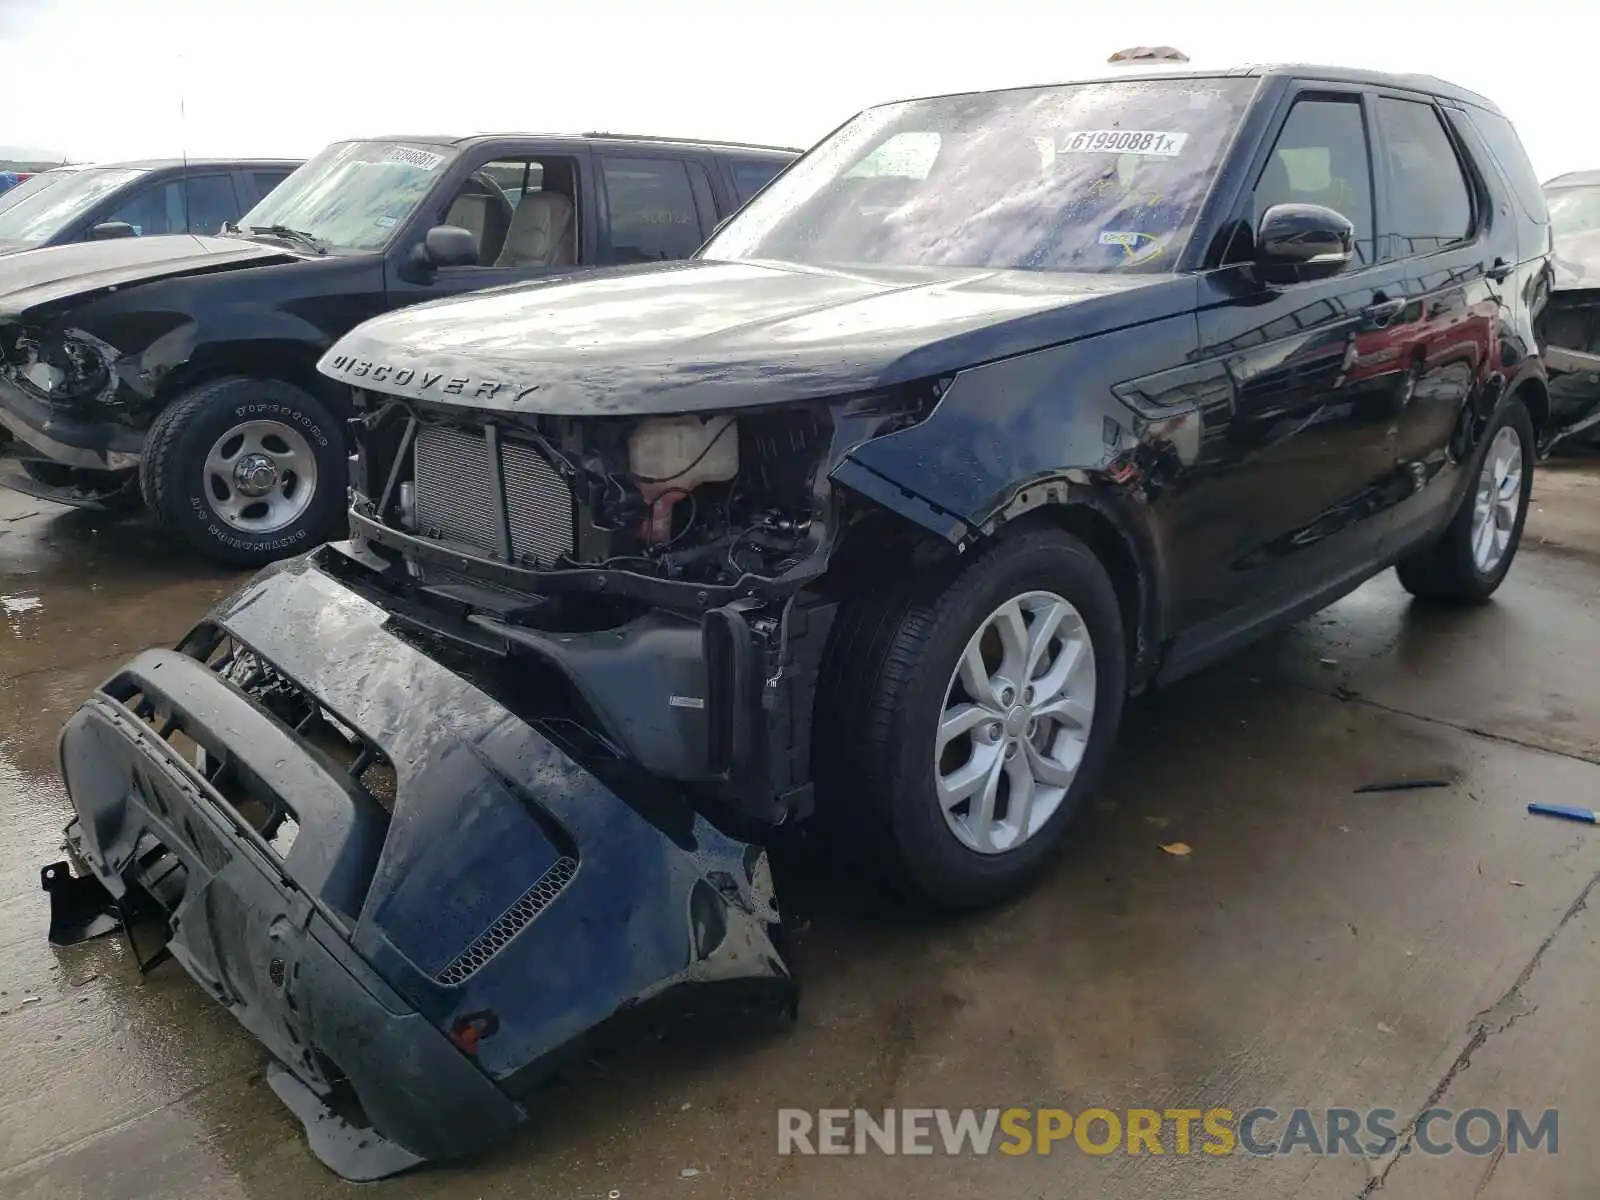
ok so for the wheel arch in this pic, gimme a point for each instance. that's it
(909, 534)
(1534, 392)
(1127, 559)
(286, 360)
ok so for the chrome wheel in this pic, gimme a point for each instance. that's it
(260, 476)
(1015, 722)
(1498, 500)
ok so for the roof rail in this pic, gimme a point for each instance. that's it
(650, 137)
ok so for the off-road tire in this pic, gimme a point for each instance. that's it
(882, 691)
(1445, 572)
(171, 473)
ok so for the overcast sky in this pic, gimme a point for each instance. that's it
(107, 79)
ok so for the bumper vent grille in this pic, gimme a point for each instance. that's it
(456, 500)
(515, 919)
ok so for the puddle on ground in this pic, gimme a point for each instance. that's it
(18, 610)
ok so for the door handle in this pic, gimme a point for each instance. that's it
(1382, 310)
(1499, 270)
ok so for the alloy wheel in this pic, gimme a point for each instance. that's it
(1015, 722)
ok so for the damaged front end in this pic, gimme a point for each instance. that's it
(61, 402)
(410, 868)
(1570, 323)
(668, 568)
(1572, 357)
(429, 807)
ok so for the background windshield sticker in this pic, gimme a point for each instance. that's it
(1153, 142)
(415, 158)
(1137, 247)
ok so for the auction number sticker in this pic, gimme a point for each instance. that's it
(1137, 247)
(415, 158)
(1155, 142)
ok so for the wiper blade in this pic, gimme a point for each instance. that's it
(291, 235)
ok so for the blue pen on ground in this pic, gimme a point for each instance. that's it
(1563, 810)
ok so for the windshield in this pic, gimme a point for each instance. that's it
(45, 211)
(30, 186)
(1083, 177)
(354, 195)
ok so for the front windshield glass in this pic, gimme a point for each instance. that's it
(44, 212)
(29, 187)
(352, 196)
(1082, 177)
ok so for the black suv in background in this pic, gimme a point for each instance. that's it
(183, 369)
(989, 411)
(134, 199)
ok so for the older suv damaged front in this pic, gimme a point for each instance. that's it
(989, 411)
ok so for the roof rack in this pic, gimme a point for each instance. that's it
(650, 137)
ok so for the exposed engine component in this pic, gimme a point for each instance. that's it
(1572, 355)
(669, 457)
(677, 497)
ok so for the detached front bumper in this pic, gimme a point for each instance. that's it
(68, 439)
(433, 960)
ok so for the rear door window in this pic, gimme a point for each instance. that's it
(1430, 206)
(1512, 158)
(651, 202)
(751, 175)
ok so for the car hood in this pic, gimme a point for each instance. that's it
(51, 275)
(698, 335)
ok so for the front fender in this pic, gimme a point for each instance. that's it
(1039, 431)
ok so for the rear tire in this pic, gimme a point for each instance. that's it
(894, 686)
(1471, 558)
(246, 471)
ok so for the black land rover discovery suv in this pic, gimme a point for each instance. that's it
(990, 410)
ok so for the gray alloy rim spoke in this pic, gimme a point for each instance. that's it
(1016, 719)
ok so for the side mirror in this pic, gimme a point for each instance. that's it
(1300, 242)
(450, 246)
(107, 230)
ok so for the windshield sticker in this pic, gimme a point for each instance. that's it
(1152, 142)
(414, 158)
(1136, 247)
(387, 222)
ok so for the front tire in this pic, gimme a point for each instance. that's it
(246, 471)
(1470, 560)
(968, 719)
(115, 492)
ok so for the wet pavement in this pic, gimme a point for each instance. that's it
(1318, 946)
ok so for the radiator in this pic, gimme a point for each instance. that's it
(455, 498)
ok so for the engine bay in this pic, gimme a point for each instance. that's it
(717, 500)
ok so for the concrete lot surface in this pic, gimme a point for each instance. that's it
(1318, 946)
